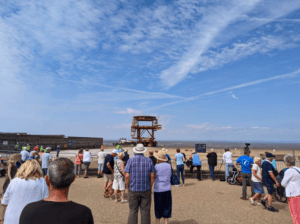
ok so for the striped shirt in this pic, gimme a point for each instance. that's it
(139, 167)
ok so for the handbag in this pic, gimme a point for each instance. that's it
(174, 178)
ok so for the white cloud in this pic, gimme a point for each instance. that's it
(260, 128)
(129, 111)
(234, 96)
(291, 75)
(208, 127)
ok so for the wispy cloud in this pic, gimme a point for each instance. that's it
(240, 86)
(129, 111)
(234, 96)
(208, 127)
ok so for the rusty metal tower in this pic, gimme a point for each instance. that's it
(137, 130)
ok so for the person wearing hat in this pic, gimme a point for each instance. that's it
(25, 155)
(108, 171)
(196, 162)
(246, 162)
(168, 157)
(140, 179)
(268, 179)
(212, 162)
(162, 188)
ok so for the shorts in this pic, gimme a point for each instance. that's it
(87, 164)
(45, 170)
(108, 177)
(258, 187)
(100, 166)
(270, 186)
(119, 184)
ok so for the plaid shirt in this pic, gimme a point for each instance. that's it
(139, 167)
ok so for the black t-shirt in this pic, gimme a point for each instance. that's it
(126, 157)
(108, 159)
(50, 212)
(154, 160)
(212, 158)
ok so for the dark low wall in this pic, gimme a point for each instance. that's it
(50, 140)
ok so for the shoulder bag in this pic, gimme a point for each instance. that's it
(174, 178)
(123, 177)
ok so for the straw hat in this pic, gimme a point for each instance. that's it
(161, 155)
(139, 149)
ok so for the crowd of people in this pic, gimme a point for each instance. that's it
(37, 187)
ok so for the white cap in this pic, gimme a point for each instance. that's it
(115, 151)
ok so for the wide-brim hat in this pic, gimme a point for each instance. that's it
(161, 155)
(164, 149)
(270, 155)
(139, 149)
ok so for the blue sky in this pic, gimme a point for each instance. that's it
(210, 70)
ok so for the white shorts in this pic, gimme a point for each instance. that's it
(118, 184)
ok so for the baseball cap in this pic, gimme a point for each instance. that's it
(114, 151)
(269, 155)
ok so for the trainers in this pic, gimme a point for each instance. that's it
(124, 201)
(252, 202)
(263, 202)
(116, 200)
(258, 203)
(98, 176)
(272, 209)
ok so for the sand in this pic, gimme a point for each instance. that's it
(198, 202)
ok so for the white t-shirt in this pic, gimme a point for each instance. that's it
(227, 157)
(258, 172)
(87, 157)
(101, 157)
(19, 193)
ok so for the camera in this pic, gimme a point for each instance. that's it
(246, 145)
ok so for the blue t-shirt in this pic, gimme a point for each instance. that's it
(246, 162)
(168, 157)
(179, 158)
(196, 160)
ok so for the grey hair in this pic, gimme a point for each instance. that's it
(289, 160)
(61, 173)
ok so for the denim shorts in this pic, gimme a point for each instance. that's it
(270, 186)
(258, 187)
(100, 166)
(45, 170)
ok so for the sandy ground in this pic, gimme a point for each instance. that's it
(198, 202)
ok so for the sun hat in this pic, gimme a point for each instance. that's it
(161, 155)
(139, 149)
(269, 155)
(165, 150)
(212, 150)
(115, 151)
